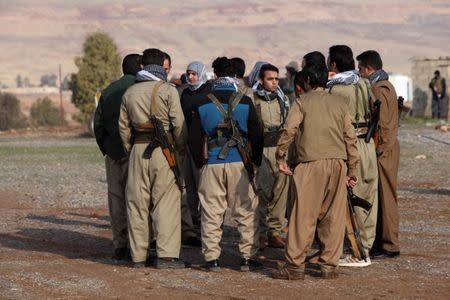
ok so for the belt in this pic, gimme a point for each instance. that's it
(144, 137)
(271, 138)
(360, 125)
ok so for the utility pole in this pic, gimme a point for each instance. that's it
(61, 109)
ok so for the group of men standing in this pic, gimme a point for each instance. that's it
(178, 159)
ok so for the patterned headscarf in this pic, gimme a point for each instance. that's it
(152, 72)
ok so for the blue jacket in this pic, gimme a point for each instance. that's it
(206, 117)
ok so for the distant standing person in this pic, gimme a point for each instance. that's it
(438, 90)
(386, 242)
(116, 160)
(288, 88)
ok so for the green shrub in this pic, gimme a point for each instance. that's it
(44, 112)
(10, 115)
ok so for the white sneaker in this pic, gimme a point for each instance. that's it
(351, 261)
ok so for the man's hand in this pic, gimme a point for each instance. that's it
(350, 182)
(284, 168)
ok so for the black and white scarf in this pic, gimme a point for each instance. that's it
(151, 73)
(345, 78)
(378, 75)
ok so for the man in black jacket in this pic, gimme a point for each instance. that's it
(116, 160)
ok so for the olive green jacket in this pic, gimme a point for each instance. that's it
(106, 118)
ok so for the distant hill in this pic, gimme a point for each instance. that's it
(34, 41)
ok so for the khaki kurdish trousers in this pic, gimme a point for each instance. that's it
(221, 186)
(189, 198)
(367, 188)
(116, 177)
(321, 203)
(273, 189)
(388, 216)
(153, 202)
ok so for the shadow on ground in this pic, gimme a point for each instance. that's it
(60, 221)
(444, 192)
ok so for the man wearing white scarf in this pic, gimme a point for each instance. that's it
(348, 83)
(272, 107)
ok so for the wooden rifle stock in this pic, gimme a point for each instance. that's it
(352, 230)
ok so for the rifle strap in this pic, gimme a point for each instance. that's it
(153, 97)
(232, 103)
(219, 105)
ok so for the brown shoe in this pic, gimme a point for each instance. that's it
(276, 241)
(288, 272)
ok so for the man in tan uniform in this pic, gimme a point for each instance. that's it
(272, 107)
(347, 83)
(153, 197)
(388, 152)
(328, 155)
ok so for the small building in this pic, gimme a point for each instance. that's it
(422, 71)
(403, 86)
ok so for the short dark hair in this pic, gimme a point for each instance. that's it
(437, 73)
(342, 56)
(316, 76)
(167, 56)
(267, 67)
(239, 66)
(314, 58)
(370, 58)
(131, 64)
(152, 56)
(300, 79)
(222, 67)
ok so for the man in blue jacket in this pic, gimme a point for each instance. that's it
(224, 181)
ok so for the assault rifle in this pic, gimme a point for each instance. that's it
(400, 106)
(237, 140)
(351, 224)
(161, 140)
(372, 132)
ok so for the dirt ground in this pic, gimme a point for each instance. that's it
(55, 238)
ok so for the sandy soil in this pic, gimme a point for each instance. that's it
(53, 248)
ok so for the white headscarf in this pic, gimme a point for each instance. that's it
(199, 68)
